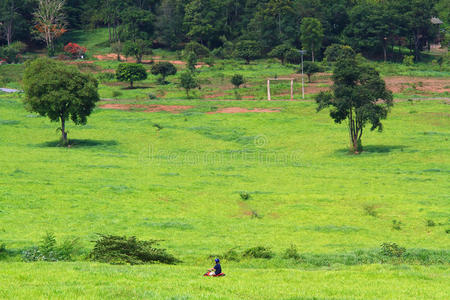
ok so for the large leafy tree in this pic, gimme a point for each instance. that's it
(247, 50)
(358, 95)
(311, 35)
(59, 92)
(131, 73)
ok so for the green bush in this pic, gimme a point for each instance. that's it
(237, 80)
(12, 53)
(197, 48)
(131, 73)
(244, 195)
(392, 250)
(164, 69)
(49, 250)
(258, 252)
(129, 250)
(431, 223)
(408, 60)
(291, 252)
(396, 225)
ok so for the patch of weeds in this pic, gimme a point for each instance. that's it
(152, 96)
(370, 209)
(396, 225)
(258, 252)
(3, 251)
(244, 195)
(392, 250)
(255, 215)
(129, 250)
(231, 255)
(334, 228)
(431, 223)
(49, 250)
(447, 231)
(291, 252)
(116, 94)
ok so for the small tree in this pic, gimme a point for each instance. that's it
(117, 49)
(293, 56)
(131, 73)
(247, 50)
(59, 92)
(310, 69)
(337, 51)
(197, 48)
(188, 82)
(237, 80)
(12, 53)
(280, 52)
(191, 61)
(311, 35)
(137, 48)
(358, 95)
(164, 69)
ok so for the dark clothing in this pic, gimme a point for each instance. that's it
(218, 269)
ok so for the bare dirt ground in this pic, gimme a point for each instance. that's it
(235, 110)
(155, 59)
(147, 108)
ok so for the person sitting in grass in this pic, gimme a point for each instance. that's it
(216, 270)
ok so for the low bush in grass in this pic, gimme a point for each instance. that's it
(129, 250)
(49, 250)
(258, 252)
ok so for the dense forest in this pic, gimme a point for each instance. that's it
(376, 28)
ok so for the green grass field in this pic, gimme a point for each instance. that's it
(182, 185)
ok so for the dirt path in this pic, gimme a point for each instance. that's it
(147, 108)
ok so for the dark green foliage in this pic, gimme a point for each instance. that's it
(291, 252)
(280, 52)
(188, 82)
(129, 250)
(335, 52)
(164, 69)
(392, 250)
(231, 255)
(244, 195)
(3, 251)
(198, 49)
(310, 68)
(49, 250)
(137, 48)
(131, 73)
(311, 35)
(191, 61)
(258, 252)
(59, 92)
(396, 225)
(293, 56)
(12, 53)
(358, 95)
(248, 50)
(237, 80)
(370, 210)
(431, 223)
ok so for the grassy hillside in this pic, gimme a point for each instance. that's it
(182, 185)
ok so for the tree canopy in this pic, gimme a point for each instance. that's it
(59, 92)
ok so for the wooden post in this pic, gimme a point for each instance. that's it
(292, 89)
(268, 89)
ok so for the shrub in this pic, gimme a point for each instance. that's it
(392, 250)
(244, 195)
(12, 53)
(152, 96)
(336, 51)
(310, 68)
(188, 82)
(291, 252)
(191, 61)
(258, 252)
(280, 52)
(231, 255)
(430, 223)
(293, 56)
(237, 80)
(396, 225)
(408, 60)
(74, 50)
(48, 250)
(123, 250)
(164, 69)
(197, 48)
(116, 94)
(3, 251)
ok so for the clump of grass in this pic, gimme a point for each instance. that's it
(291, 252)
(258, 252)
(396, 225)
(244, 195)
(392, 250)
(49, 250)
(370, 209)
(255, 215)
(231, 255)
(116, 94)
(123, 250)
(431, 223)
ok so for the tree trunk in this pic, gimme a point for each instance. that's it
(131, 84)
(312, 52)
(309, 77)
(109, 31)
(384, 52)
(63, 132)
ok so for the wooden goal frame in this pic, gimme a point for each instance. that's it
(280, 79)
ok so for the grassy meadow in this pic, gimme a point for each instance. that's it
(182, 184)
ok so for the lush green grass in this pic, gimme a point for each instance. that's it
(183, 184)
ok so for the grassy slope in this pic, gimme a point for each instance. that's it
(182, 185)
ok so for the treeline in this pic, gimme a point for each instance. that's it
(372, 27)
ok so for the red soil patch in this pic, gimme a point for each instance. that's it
(147, 108)
(424, 84)
(236, 110)
(155, 59)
